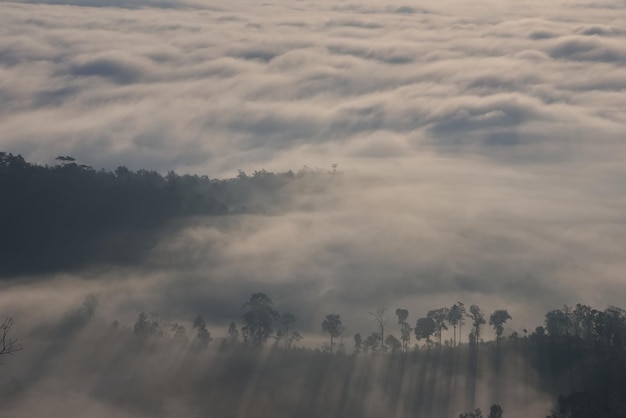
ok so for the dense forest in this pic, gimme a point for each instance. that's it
(64, 216)
(261, 364)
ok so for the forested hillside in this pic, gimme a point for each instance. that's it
(70, 215)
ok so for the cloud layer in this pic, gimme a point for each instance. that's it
(482, 146)
(279, 84)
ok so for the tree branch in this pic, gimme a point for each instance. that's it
(8, 345)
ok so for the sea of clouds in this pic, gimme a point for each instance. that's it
(480, 148)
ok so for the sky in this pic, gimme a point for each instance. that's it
(479, 144)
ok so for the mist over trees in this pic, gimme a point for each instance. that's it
(70, 215)
(260, 362)
(579, 364)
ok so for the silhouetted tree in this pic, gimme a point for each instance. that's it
(203, 334)
(424, 329)
(538, 335)
(259, 318)
(332, 325)
(495, 411)
(393, 344)
(478, 320)
(440, 316)
(145, 327)
(372, 342)
(405, 328)
(381, 318)
(456, 316)
(611, 327)
(558, 323)
(402, 315)
(497, 320)
(584, 316)
(584, 404)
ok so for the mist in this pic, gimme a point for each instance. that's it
(339, 157)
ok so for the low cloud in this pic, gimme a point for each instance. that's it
(589, 49)
(297, 81)
(481, 147)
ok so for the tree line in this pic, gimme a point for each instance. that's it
(580, 326)
(428, 328)
(579, 348)
(578, 352)
(262, 322)
(70, 216)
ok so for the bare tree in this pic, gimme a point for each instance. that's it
(381, 317)
(8, 344)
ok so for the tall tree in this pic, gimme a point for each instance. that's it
(332, 325)
(259, 318)
(478, 320)
(381, 318)
(583, 315)
(456, 316)
(440, 316)
(497, 320)
(402, 315)
(424, 329)
(558, 322)
(405, 328)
